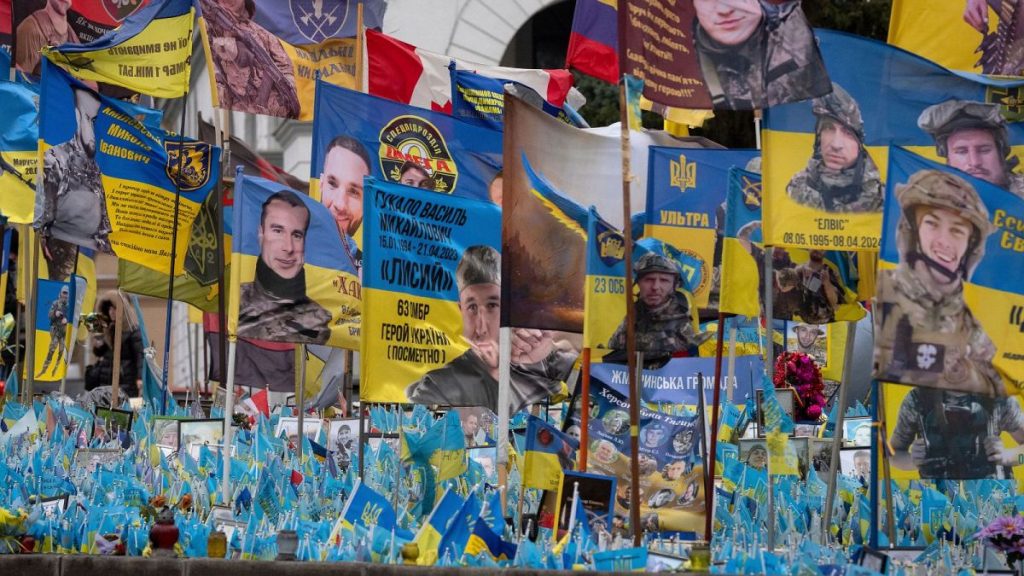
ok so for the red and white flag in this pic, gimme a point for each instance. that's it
(258, 403)
(404, 73)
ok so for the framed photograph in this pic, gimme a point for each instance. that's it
(208, 431)
(873, 560)
(54, 506)
(856, 463)
(811, 339)
(597, 495)
(800, 446)
(89, 459)
(785, 398)
(806, 430)
(486, 457)
(289, 426)
(194, 448)
(114, 420)
(820, 453)
(478, 426)
(754, 453)
(857, 431)
(342, 433)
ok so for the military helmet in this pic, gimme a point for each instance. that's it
(840, 106)
(942, 190)
(943, 119)
(653, 262)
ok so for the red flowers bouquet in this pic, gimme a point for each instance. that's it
(798, 372)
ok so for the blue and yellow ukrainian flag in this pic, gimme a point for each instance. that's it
(432, 531)
(148, 53)
(450, 456)
(566, 210)
(546, 449)
(484, 540)
(19, 145)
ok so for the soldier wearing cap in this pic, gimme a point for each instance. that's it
(664, 324)
(807, 336)
(756, 54)
(58, 317)
(925, 334)
(840, 176)
(972, 137)
(471, 379)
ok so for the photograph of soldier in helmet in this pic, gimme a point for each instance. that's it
(755, 54)
(924, 332)
(664, 323)
(972, 137)
(956, 435)
(811, 291)
(274, 305)
(58, 320)
(74, 207)
(810, 339)
(840, 176)
(539, 362)
(1002, 51)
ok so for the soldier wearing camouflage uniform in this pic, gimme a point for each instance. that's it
(835, 179)
(664, 324)
(972, 137)
(74, 204)
(777, 62)
(58, 317)
(274, 306)
(925, 334)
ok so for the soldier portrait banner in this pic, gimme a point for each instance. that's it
(686, 207)
(432, 302)
(723, 54)
(671, 466)
(292, 278)
(949, 303)
(825, 160)
(58, 308)
(19, 150)
(109, 180)
(809, 285)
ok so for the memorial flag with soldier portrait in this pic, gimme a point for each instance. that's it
(358, 135)
(671, 466)
(264, 56)
(58, 308)
(826, 159)
(110, 181)
(809, 285)
(721, 54)
(949, 303)
(292, 279)
(148, 52)
(686, 206)
(432, 294)
(973, 38)
(19, 150)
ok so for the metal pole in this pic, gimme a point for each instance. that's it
(115, 379)
(222, 287)
(33, 295)
(229, 410)
(634, 398)
(873, 489)
(837, 431)
(583, 398)
(300, 400)
(769, 368)
(504, 390)
(716, 398)
(890, 515)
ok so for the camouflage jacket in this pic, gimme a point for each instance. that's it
(813, 188)
(264, 316)
(1016, 184)
(58, 317)
(662, 332)
(926, 339)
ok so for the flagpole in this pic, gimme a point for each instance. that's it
(837, 430)
(504, 384)
(33, 295)
(890, 518)
(731, 370)
(360, 41)
(229, 410)
(873, 489)
(769, 369)
(300, 399)
(115, 377)
(583, 399)
(631, 360)
(224, 141)
(174, 231)
(716, 398)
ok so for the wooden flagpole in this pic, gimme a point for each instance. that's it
(716, 398)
